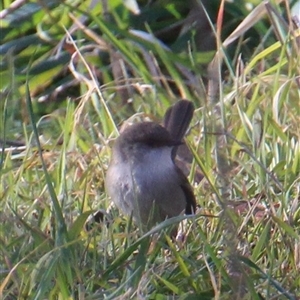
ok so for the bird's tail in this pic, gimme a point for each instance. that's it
(177, 119)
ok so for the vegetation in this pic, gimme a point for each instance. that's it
(72, 72)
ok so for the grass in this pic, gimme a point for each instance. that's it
(243, 243)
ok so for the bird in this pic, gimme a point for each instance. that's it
(142, 179)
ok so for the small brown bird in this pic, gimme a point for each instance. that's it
(143, 179)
